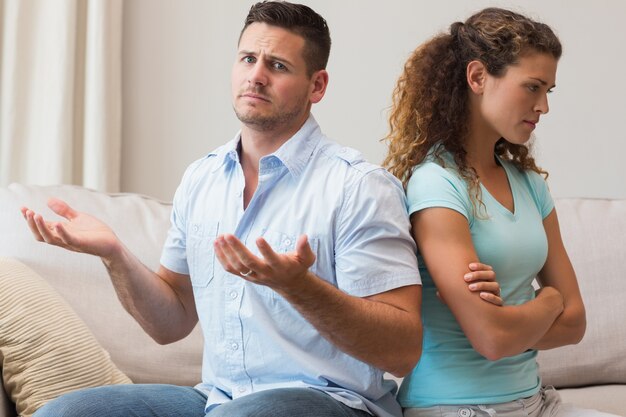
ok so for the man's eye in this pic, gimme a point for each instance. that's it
(279, 66)
(248, 59)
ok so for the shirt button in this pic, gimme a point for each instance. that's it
(465, 412)
(241, 389)
(196, 228)
(233, 294)
(287, 242)
(235, 346)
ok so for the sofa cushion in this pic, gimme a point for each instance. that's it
(606, 398)
(593, 233)
(45, 349)
(142, 224)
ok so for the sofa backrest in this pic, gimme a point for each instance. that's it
(141, 223)
(594, 232)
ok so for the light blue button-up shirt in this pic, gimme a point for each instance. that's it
(355, 216)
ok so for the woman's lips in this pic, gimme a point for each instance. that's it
(531, 123)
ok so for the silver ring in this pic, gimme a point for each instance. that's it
(245, 274)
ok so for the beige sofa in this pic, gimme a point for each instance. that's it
(591, 374)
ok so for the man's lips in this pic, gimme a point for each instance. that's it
(254, 96)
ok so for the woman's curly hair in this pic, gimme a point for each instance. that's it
(431, 98)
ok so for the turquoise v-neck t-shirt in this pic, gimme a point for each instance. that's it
(450, 371)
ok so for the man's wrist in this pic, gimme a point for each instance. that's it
(115, 255)
(299, 287)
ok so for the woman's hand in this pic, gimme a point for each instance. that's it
(482, 279)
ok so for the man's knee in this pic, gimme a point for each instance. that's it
(301, 402)
(74, 404)
(125, 400)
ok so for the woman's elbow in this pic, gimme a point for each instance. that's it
(575, 321)
(578, 336)
(492, 347)
(579, 329)
(491, 353)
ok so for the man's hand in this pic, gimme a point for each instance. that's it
(80, 233)
(282, 272)
(482, 280)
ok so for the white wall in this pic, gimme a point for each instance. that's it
(178, 55)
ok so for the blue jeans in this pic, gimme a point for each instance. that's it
(152, 400)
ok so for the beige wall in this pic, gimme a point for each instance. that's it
(178, 54)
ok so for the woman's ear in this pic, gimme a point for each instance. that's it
(476, 76)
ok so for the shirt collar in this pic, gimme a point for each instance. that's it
(293, 154)
(296, 152)
(227, 152)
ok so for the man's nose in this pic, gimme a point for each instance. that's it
(258, 74)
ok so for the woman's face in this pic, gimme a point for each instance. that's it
(513, 103)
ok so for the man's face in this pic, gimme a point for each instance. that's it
(270, 86)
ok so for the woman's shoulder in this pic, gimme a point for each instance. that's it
(437, 168)
(436, 183)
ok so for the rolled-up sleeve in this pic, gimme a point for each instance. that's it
(374, 250)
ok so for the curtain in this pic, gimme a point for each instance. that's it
(60, 92)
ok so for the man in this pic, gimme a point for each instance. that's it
(292, 252)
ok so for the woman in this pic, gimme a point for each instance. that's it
(464, 110)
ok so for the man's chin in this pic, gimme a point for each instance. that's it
(256, 120)
(258, 123)
(265, 122)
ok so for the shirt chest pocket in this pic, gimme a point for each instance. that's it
(283, 243)
(200, 252)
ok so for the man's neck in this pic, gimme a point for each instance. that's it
(255, 143)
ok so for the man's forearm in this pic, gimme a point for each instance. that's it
(151, 301)
(375, 332)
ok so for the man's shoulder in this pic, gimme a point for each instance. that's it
(350, 158)
(200, 165)
(203, 167)
(351, 164)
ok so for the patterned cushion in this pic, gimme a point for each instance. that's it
(45, 349)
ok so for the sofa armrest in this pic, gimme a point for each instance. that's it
(7, 409)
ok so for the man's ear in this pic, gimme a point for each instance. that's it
(319, 82)
(476, 76)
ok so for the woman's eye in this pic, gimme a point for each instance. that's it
(533, 88)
